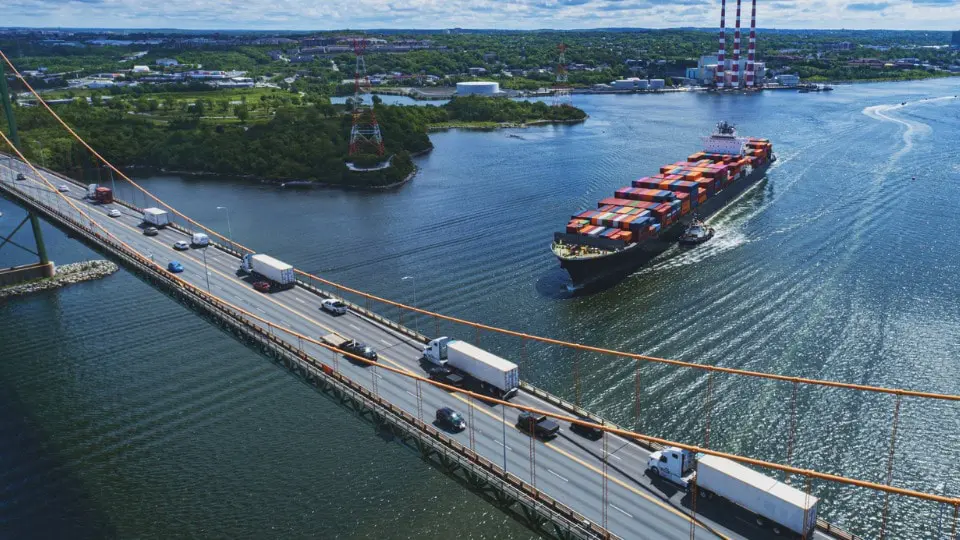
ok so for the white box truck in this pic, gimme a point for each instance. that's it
(200, 239)
(92, 191)
(783, 507)
(492, 374)
(269, 268)
(156, 217)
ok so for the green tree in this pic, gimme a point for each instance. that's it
(241, 113)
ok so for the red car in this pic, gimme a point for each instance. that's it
(262, 286)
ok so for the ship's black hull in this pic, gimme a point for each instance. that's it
(618, 264)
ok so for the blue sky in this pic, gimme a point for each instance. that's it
(501, 14)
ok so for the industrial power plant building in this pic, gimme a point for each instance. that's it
(706, 71)
(483, 88)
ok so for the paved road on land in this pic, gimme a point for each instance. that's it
(568, 468)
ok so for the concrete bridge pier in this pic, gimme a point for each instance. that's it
(45, 267)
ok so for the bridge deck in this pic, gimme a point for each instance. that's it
(567, 468)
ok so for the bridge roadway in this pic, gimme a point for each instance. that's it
(568, 468)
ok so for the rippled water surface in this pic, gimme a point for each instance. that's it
(127, 415)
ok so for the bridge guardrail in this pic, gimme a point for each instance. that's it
(465, 457)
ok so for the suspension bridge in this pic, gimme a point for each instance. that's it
(570, 487)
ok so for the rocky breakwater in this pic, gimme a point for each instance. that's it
(66, 274)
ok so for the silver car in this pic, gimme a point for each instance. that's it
(114, 213)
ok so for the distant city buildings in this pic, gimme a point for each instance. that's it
(167, 62)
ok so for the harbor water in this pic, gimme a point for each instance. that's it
(125, 415)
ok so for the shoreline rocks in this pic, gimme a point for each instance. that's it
(66, 275)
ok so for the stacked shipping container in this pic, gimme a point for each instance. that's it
(641, 210)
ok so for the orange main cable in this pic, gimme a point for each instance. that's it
(481, 326)
(616, 431)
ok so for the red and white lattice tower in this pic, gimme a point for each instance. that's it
(735, 78)
(365, 135)
(752, 48)
(721, 60)
(561, 90)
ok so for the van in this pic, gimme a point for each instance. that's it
(200, 240)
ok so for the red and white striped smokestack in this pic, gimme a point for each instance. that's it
(723, 44)
(752, 48)
(735, 78)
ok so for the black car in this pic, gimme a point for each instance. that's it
(591, 433)
(446, 376)
(451, 419)
(359, 349)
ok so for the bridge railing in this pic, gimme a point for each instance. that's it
(559, 513)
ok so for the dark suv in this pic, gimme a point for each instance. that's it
(591, 433)
(446, 376)
(538, 425)
(359, 349)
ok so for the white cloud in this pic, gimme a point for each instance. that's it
(503, 14)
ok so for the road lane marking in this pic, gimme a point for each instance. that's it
(621, 510)
(299, 300)
(502, 444)
(569, 456)
(558, 476)
(614, 456)
(411, 393)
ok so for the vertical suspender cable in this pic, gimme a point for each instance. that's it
(606, 458)
(793, 430)
(956, 515)
(706, 411)
(473, 444)
(890, 455)
(694, 495)
(419, 402)
(636, 397)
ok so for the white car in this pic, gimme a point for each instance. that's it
(114, 213)
(180, 245)
(63, 188)
(335, 307)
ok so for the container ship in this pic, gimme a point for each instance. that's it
(644, 219)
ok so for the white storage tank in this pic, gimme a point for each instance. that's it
(626, 84)
(483, 88)
(656, 84)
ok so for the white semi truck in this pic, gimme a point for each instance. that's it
(267, 267)
(492, 374)
(783, 507)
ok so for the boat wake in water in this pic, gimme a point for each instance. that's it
(886, 113)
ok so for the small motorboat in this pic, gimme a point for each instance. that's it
(697, 233)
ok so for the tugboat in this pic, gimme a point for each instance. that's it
(697, 233)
